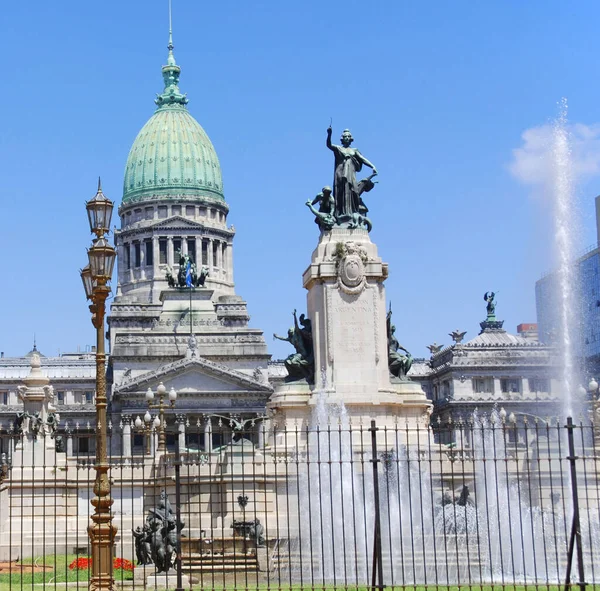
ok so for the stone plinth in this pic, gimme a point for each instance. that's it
(346, 304)
(166, 581)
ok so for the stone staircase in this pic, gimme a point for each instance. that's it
(220, 555)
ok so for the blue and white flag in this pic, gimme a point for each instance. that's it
(188, 275)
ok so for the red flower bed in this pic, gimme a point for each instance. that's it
(86, 564)
(81, 564)
(123, 563)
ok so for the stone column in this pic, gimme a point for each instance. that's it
(131, 261)
(181, 418)
(198, 253)
(142, 266)
(121, 262)
(184, 248)
(11, 446)
(211, 256)
(69, 443)
(126, 437)
(262, 427)
(223, 251)
(207, 435)
(229, 253)
(525, 390)
(497, 387)
(153, 441)
(170, 255)
(155, 256)
(219, 256)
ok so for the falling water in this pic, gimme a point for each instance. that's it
(335, 523)
(564, 232)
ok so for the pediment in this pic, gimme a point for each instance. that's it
(177, 222)
(195, 375)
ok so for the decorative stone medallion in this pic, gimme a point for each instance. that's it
(351, 259)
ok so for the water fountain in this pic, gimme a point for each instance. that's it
(564, 225)
(509, 521)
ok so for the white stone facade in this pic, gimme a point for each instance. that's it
(73, 377)
(494, 370)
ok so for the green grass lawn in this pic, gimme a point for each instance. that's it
(274, 587)
(60, 573)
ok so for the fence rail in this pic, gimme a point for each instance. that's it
(483, 502)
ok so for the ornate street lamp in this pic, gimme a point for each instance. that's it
(145, 427)
(159, 421)
(95, 277)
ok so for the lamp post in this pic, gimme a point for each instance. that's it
(159, 421)
(96, 276)
(145, 426)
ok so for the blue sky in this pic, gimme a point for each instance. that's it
(437, 95)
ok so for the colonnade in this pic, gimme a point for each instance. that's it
(149, 256)
(205, 428)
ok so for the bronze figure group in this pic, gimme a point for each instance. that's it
(343, 206)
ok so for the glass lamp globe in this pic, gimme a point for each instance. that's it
(137, 422)
(88, 282)
(99, 209)
(161, 390)
(156, 422)
(172, 395)
(593, 385)
(102, 259)
(149, 395)
(147, 417)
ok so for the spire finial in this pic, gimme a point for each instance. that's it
(170, 47)
(99, 185)
(170, 25)
(34, 343)
(171, 96)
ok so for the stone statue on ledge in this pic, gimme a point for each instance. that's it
(489, 297)
(301, 364)
(491, 323)
(399, 364)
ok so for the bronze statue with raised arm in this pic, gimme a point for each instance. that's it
(346, 189)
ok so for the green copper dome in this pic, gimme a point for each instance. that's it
(172, 157)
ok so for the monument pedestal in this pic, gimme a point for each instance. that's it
(347, 307)
(166, 581)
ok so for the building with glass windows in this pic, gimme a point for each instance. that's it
(586, 332)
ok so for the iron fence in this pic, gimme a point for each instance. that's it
(484, 502)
